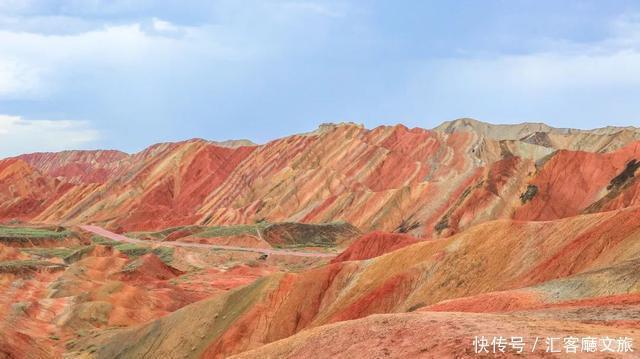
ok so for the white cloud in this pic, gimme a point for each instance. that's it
(560, 76)
(18, 79)
(163, 26)
(614, 61)
(33, 65)
(18, 135)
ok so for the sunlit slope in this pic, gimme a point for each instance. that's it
(494, 256)
(430, 183)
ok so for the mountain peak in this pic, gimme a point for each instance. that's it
(499, 132)
(518, 131)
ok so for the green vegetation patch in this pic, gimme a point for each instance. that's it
(164, 253)
(292, 235)
(161, 235)
(58, 252)
(235, 230)
(25, 234)
(156, 236)
(23, 266)
(78, 254)
(134, 250)
(625, 176)
(528, 195)
(133, 265)
(104, 241)
(203, 231)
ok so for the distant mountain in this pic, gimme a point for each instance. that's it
(430, 183)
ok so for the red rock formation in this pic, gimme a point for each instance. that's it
(25, 192)
(570, 182)
(146, 269)
(78, 166)
(374, 244)
(430, 335)
(502, 219)
(498, 256)
(436, 183)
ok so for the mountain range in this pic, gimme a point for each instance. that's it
(341, 242)
(429, 183)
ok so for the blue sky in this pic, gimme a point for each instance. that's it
(127, 74)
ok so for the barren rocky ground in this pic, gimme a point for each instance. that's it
(343, 242)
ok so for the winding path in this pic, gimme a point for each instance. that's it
(120, 238)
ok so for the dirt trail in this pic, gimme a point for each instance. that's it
(118, 237)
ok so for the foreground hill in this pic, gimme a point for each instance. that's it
(430, 183)
(595, 255)
(433, 335)
(61, 284)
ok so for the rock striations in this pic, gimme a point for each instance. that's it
(431, 183)
(435, 237)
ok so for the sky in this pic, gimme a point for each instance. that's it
(122, 74)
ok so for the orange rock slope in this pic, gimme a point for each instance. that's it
(53, 291)
(430, 183)
(78, 166)
(466, 230)
(579, 269)
(374, 244)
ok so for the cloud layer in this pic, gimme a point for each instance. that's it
(140, 72)
(18, 135)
